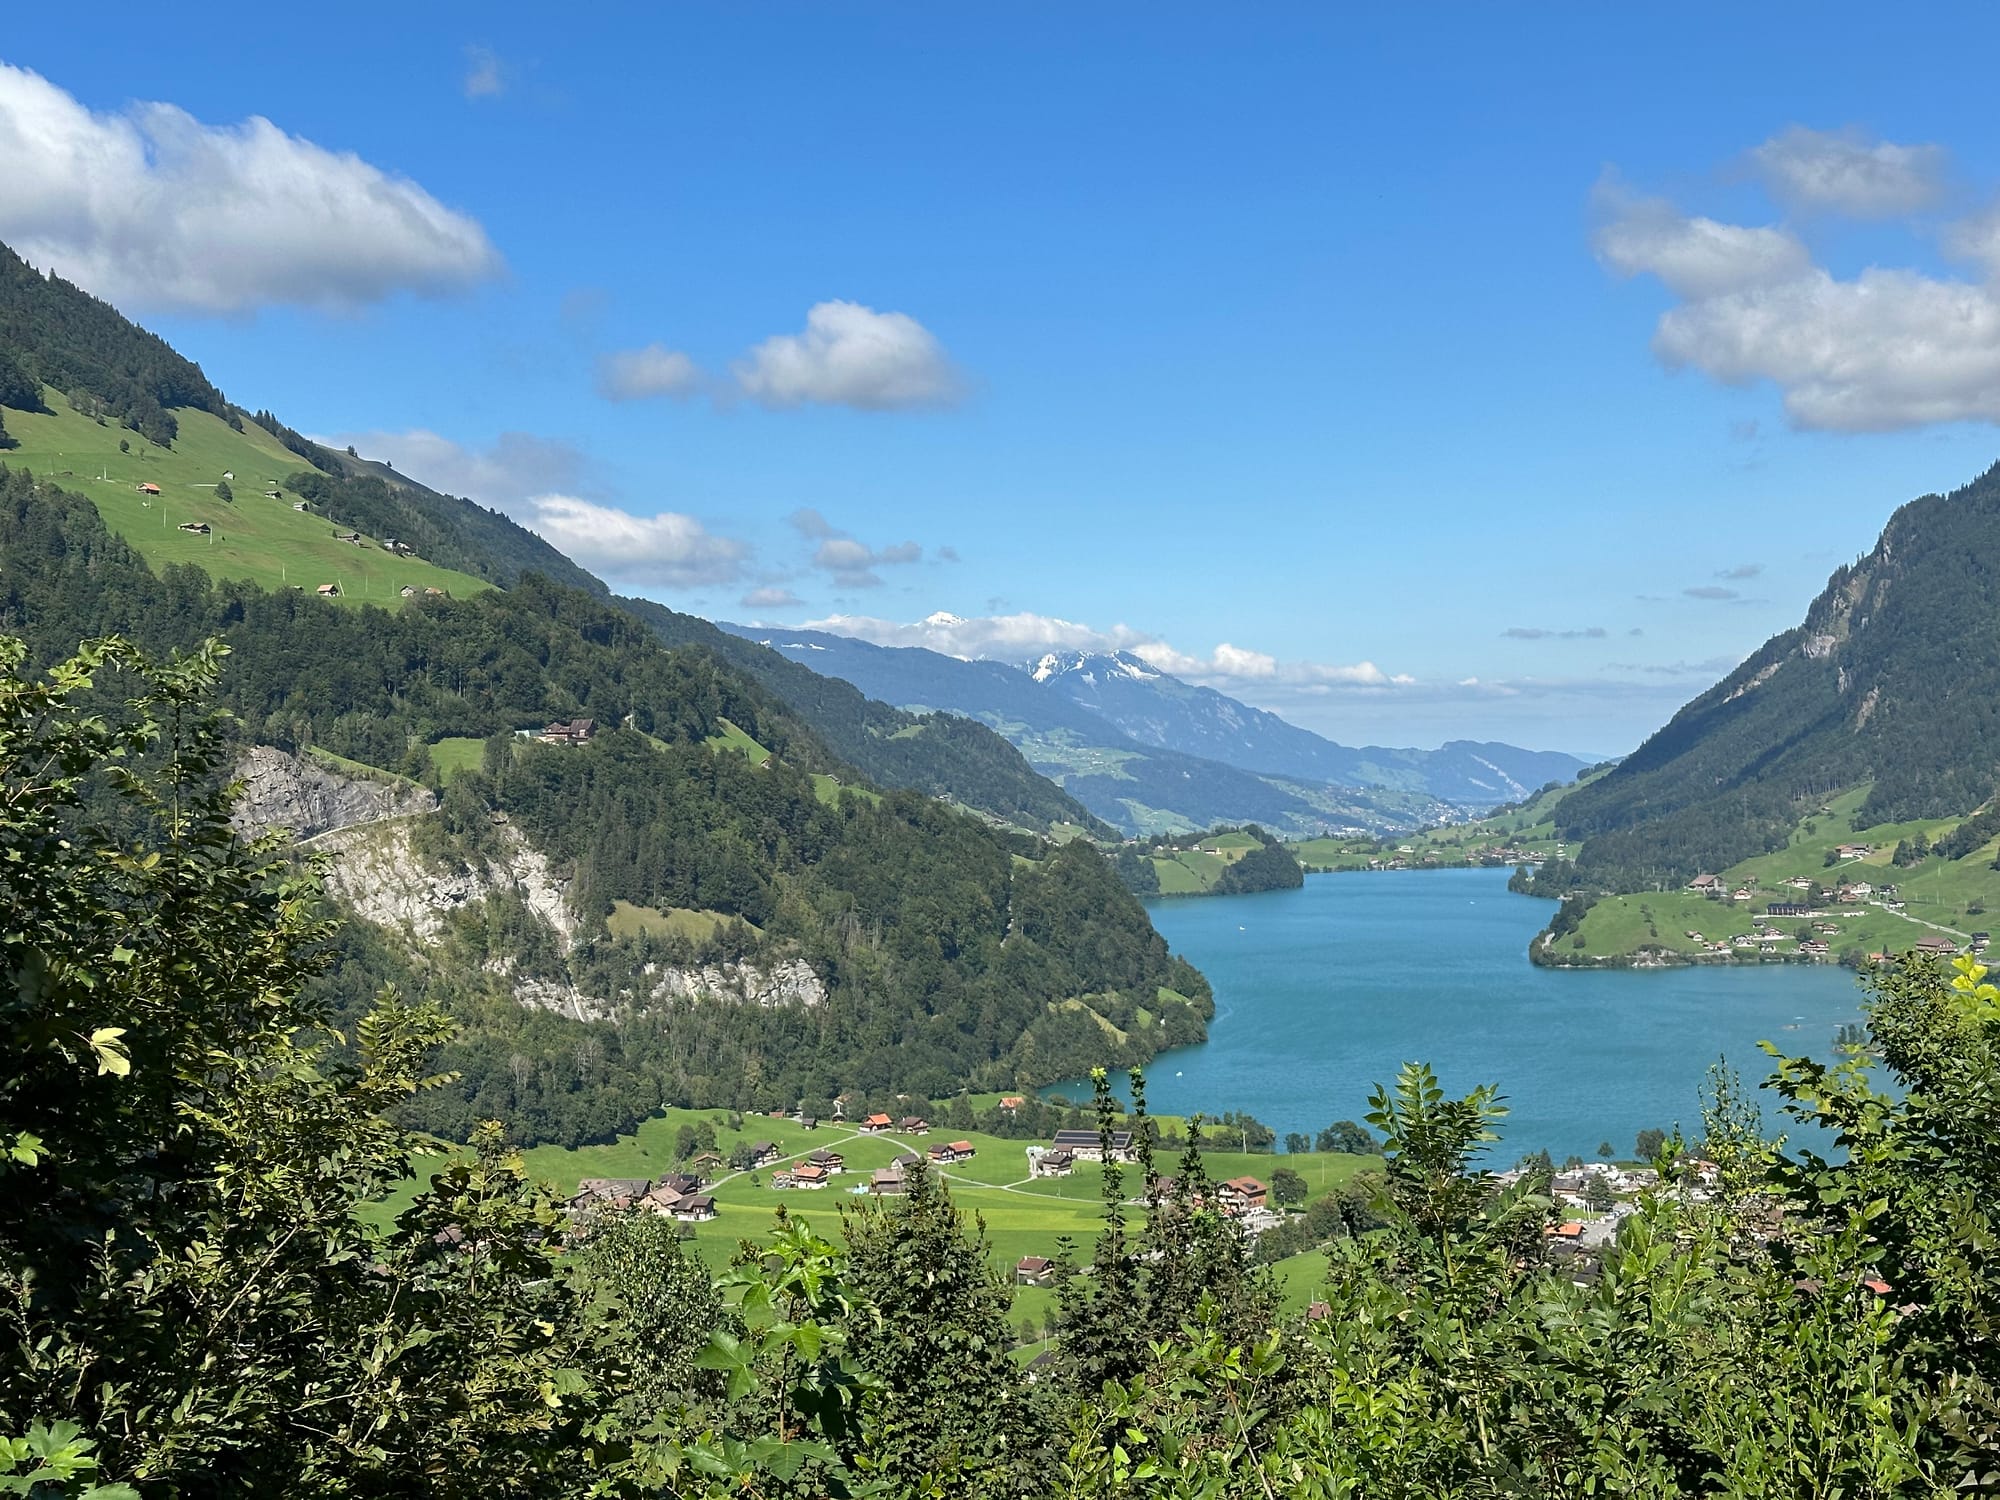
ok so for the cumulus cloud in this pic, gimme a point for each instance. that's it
(1887, 349)
(772, 598)
(1695, 257)
(152, 209)
(1024, 636)
(1847, 172)
(668, 550)
(485, 76)
(850, 355)
(637, 374)
(1536, 633)
(515, 466)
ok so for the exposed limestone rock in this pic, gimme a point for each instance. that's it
(377, 873)
(788, 982)
(284, 791)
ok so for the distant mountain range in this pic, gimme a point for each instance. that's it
(1157, 709)
(1148, 753)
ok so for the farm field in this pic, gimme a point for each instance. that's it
(1191, 871)
(1948, 898)
(1022, 1216)
(251, 537)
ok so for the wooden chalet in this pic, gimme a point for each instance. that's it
(1034, 1270)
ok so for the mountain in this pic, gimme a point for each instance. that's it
(103, 407)
(695, 901)
(1150, 753)
(1890, 685)
(1137, 787)
(1157, 709)
(594, 829)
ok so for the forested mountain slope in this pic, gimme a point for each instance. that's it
(247, 497)
(949, 953)
(1892, 679)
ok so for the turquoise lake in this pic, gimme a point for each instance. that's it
(1323, 992)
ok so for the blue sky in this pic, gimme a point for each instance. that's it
(1462, 372)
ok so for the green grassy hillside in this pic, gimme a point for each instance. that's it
(251, 537)
(1023, 1215)
(1932, 897)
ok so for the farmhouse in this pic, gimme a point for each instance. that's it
(663, 1198)
(874, 1125)
(408, 591)
(1034, 1270)
(1935, 944)
(1084, 1145)
(328, 591)
(1708, 885)
(1788, 909)
(1853, 851)
(763, 1153)
(886, 1182)
(914, 1125)
(694, 1208)
(569, 732)
(1051, 1163)
(705, 1162)
(198, 528)
(609, 1192)
(1240, 1195)
(149, 489)
(957, 1151)
(830, 1162)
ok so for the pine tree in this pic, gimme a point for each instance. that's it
(937, 1337)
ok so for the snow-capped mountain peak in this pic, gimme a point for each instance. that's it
(1091, 665)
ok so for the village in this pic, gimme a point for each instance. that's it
(1819, 909)
(699, 1189)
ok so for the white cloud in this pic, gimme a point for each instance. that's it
(517, 465)
(772, 598)
(526, 476)
(151, 208)
(1695, 257)
(667, 550)
(635, 374)
(1847, 172)
(1889, 349)
(850, 355)
(1023, 636)
(485, 76)
(1885, 350)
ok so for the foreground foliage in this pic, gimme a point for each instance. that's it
(190, 1306)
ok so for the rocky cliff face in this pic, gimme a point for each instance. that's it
(766, 985)
(377, 874)
(284, 791)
